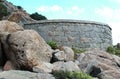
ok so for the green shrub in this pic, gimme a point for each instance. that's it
(78, 50)
(114, 50)
(3, 11)
(52, 44)
(19, 7)
(111, 49)
(37, 16)
(70, 75)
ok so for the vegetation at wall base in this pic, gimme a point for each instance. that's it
(52, 44)
(114, 50)
(78, 51)
(70, 75)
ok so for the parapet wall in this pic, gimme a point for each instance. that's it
(74, 33)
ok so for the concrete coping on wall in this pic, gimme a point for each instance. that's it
(70, 21)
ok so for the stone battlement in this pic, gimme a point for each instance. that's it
(70, 21)
(74, 33)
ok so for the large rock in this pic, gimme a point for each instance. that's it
(109, 74)
(95, 62)
(8, 66)
(15, 74)
(43, 67)
(64, 54)
(65, 66)
(6, 27)
(27, 49)
(4, 47)
(98, 56)
(69, 53)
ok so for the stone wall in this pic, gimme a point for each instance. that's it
(74, 33)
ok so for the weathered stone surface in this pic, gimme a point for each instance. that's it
(95, 62)
(15, 74)
(60, 56)
(65, 66)
(45, 76)
(27, 49)
(17, 14)
(69, 53)
(109, 74)
(64, 53)
(74, 33)
(96, 55)
(8, 66)
(43, 67)
(1, 69)
(7, 26)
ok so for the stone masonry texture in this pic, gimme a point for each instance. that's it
(74, 33)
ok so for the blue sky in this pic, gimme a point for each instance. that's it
(106, 11)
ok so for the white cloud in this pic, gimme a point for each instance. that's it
(115, 32)
(75, 10)
(54, 8)
(115, 1)
(69, 12)
(112, 17)
(42, 8)
(108, 13)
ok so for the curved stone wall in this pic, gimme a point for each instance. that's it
(74, 33)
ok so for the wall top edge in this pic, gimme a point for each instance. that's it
(69, 21)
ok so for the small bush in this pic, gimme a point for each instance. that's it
(70, 75)
(37, 16)
(19, 7)
(114, 50)
(3, 11)
(52, 44)
(111, 49)
(78, 50)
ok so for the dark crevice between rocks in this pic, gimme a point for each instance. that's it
(25, 68)
(3, 56)
(118, 65)
(95, 71)
(53, 59)
(103, 57)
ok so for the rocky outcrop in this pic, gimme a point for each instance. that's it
(27, 49)
(20, 17)
(65, 66)
(109, 74)
(16, 14)
(22, 49)
(43, 67)
(15, 74)
(98, 63)
(64, 53)
(6, 27)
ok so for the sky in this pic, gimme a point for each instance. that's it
(105, 11)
